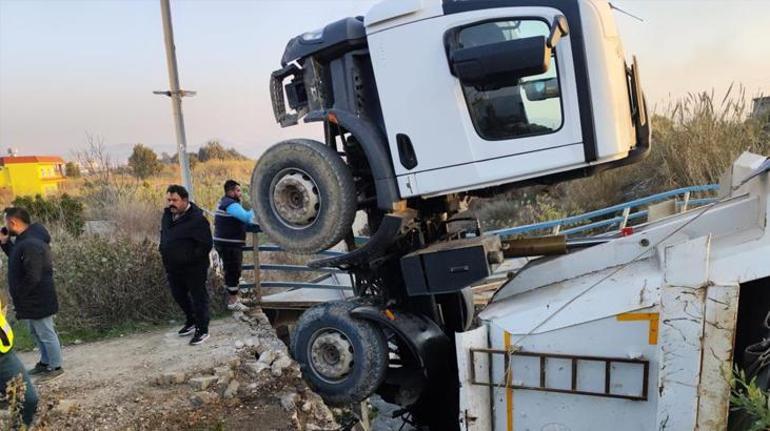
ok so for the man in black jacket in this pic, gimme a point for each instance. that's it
(185, 243)
(30, 282)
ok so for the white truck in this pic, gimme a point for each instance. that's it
(425, 103)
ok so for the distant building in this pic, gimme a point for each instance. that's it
(31, 175)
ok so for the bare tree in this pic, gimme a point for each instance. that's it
(105, 188)
(95, 159)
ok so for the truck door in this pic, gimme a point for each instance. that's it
(471, 134)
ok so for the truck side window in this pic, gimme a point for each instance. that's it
(533, 107)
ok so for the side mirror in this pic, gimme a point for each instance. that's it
(500, 64)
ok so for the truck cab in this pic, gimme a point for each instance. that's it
(473, 103)
(425, 103)
(444, 99)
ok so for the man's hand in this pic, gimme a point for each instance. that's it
(4, 235)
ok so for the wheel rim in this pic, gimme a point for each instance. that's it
(331, 355)
(295, 199)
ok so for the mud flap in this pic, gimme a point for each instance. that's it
(437, 407)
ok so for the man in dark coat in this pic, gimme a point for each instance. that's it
(30, 282)
(185, 243)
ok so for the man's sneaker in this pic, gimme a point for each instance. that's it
(50, 374)
(199, 338)
(186, 330)
(39, 368)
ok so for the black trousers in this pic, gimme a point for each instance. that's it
(232, 262)
(188, 287)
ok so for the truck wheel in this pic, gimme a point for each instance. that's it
(303, 195)
(343, 359)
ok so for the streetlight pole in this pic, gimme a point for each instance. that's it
(176, 96)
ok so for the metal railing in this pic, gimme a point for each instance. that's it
(619, 216)
(588, 221)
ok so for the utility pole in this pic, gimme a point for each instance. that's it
(176, 96)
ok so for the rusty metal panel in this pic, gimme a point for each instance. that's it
(681, 330)
(716, 368)
(682, 316)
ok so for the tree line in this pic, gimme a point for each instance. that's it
(144, 161)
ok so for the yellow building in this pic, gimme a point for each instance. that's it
(31, 175)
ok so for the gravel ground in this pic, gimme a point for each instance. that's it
(241, 378)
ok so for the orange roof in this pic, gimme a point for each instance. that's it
(30, 159)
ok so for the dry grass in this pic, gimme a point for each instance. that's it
(694, 140)
(135, 206)
(531, 206)
(209, 177)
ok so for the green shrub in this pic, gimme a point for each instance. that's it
(144, 162)
(213, 150)
(72, 170)
(750, 402)
(64, 210)
(104, 283)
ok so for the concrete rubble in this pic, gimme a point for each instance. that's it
(260, 366)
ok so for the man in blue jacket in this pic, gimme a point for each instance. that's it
(231, 221)
(30, 283)
(185, 243)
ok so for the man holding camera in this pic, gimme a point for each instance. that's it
(231, 222)
(185, 243)
(30, 283)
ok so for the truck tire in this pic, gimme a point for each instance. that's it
(303, 195)
(342, 358)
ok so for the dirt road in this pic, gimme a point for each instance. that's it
(239, 379)
(108, 371)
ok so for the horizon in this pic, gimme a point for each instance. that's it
(109, 57)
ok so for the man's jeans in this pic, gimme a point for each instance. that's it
(10, 367)
(47, 339)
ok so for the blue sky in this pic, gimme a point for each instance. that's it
(71, 67)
